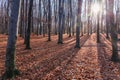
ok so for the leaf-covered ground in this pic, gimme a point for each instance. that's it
(50, 61)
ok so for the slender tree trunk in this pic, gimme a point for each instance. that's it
(78, 24)
(40, 23)
(26, 23)
(61, 21)
(98, 31)
(107, 21)
(29, 25)
(88, 29)
(49, 21)
(21, 19)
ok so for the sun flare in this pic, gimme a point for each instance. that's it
(95, 8)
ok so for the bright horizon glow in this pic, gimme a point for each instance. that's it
(95, 8)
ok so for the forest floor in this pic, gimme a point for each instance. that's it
(52, 61)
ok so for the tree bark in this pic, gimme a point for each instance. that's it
(113, 32)
(29, 25)
(78, 24)
(11, 43)
(61, 21)
(49, 20)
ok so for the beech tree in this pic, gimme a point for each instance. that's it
(49, 20)
(29, 25)
(10, 67)
(107, 21)
(98, 24)
(61, 21)
(78, 24)
(113, 32)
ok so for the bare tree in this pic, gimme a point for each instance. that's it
(78, 24)
(29, 25)
(113, 32)
(49, 20)
(11, 70)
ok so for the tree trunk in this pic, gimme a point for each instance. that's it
(49, 21)
(107, 22)
(29, 25)
(98, 31)
(113, 32)
(78, 25)
(61, 21)
(11, 43)
(26, 22)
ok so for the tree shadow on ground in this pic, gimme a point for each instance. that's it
(107, 67)
(35, 68)
(42, 68)
(38, 69)
(84, 39)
